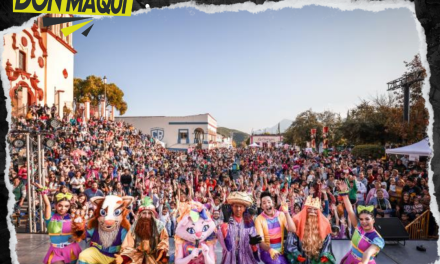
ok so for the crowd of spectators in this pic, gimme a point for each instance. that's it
(102, 157)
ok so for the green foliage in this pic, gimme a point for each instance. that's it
(365, 151)
(93, 87)
(299, 132)
(378, 120)
(239, 136)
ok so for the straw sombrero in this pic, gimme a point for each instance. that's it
(241, 198)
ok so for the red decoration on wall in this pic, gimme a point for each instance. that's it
(32, 41)
(40, 62)
(65, 74)
(31, 94)
(34, 83)
(14, 74)
(14, 41)
(23, 41)
(40, 39)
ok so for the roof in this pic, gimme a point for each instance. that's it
(160, 116)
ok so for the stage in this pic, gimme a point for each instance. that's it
(31, 249)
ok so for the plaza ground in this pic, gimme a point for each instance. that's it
(31, 249)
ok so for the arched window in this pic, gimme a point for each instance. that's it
(199, 136)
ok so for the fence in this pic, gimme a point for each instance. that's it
(419, 228)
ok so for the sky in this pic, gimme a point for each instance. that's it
(249, 71)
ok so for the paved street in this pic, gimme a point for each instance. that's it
(31, 249)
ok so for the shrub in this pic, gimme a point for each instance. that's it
(364, 151)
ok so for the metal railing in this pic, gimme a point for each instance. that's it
(419, 228)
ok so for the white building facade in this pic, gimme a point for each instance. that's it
(39, 65)
(223, 142)
(178, 133)
(267, 141)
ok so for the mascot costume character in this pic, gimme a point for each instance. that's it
(195, 237)
(106, 229)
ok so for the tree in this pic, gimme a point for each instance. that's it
(299, 132)
(333, 121)
(415, 129)
(380, 120)
(93, 87)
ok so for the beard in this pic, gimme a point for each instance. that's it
(312, 241)
(107, 238)
(144, 228)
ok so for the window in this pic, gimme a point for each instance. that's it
(183, 135)
(22, 61)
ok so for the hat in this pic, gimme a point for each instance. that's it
(147, 204)
(241, 198)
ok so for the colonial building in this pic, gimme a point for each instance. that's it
(267, 141)
(178, 132)
(223, 142)
(39, 65)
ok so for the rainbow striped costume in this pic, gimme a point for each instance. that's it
(62, 248)
(360, 242)
(271, 229)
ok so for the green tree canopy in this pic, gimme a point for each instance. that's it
(93, 87)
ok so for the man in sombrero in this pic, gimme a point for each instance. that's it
(147, 241)
(238, 237)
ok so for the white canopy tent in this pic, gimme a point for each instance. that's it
(254, 145)
(421, 148)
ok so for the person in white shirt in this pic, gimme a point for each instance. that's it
(77, 182)
(361, 191)
(362, 179)
(311, 177)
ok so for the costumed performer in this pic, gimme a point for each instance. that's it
(63, 248)
(238, 237)
(147, 241)
(106, 229)
(366, 242)
(270, 225)
(311, 244)
(195, 237)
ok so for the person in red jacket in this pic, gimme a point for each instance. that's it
(22, 173)
(210, 184)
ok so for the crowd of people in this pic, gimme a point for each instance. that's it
(101, 158)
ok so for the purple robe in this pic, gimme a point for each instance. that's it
(234, 251)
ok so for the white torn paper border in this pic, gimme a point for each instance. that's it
(344, 5)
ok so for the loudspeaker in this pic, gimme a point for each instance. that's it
(391, 229)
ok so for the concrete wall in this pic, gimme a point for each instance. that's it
(59, 58)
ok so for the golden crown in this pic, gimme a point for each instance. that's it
(313, 202)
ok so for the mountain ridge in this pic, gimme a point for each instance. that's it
(284, 125)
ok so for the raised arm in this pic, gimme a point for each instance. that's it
(348, 207)
(47, 208)
(289, 221)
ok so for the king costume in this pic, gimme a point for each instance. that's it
(307, 246)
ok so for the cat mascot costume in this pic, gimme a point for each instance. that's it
(195, 237)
